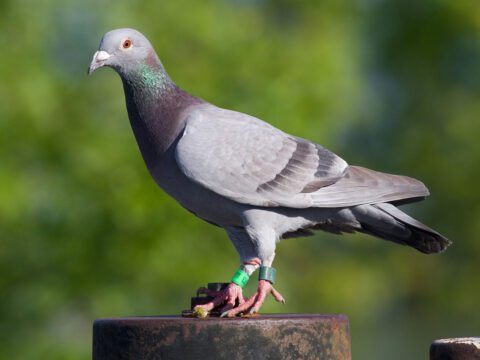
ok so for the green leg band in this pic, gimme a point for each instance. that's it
(267, 273)
(240, 278)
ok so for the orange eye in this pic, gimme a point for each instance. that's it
(127, 43)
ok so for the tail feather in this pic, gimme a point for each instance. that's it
(385, 221)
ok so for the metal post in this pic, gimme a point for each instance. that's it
(261, 337)
(456, 349)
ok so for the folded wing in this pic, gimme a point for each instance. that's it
(251, 162)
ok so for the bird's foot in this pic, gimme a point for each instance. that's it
(227, 297)
(253, 304)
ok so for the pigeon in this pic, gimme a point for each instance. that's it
(255, 181)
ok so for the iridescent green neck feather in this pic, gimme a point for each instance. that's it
(147, 79)
(154, 79)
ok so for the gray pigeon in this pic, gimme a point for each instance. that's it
(258, 183)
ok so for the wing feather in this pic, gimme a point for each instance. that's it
(251, 162)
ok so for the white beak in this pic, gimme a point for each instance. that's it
(98, 60)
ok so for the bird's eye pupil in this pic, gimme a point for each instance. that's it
(127, 44)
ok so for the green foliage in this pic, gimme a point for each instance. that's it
(85, 232)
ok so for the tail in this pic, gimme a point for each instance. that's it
(385, 221)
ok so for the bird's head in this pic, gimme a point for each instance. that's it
(122, 49)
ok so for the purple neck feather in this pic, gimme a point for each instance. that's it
(155, 105)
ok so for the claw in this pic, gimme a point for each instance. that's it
(225, 314)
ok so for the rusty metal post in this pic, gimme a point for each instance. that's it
(456, 349)
(262, 337)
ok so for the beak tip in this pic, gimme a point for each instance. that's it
(99, 59)
(91, 69)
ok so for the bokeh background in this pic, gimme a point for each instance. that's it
(85, 232)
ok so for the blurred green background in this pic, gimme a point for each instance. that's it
(85, 232)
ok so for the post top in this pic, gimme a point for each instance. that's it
(261, 317)
(463, 340)
(269, 336)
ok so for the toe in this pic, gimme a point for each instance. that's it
(278, 297)
(262, 294)
(243, 307)
(229, 305)
(241, 300)
(218, 300)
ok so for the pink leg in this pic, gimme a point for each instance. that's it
(255, 302)
(229, 295)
